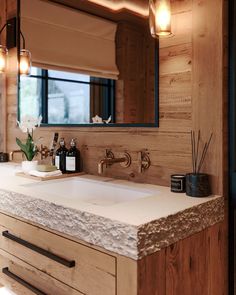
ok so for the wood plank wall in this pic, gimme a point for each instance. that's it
(8, 80)
(191, 96)
(3, 86)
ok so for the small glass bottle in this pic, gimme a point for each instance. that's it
(73, 158)
(60, 159)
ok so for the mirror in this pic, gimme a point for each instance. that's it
(94, 63)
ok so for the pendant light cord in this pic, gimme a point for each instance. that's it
(6, 24)
(23, 38)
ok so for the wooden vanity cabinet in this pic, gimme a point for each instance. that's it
(83, 268)
(34, 260)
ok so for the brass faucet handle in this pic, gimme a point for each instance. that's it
(144, 161)
(127, 161)
(109, 154)
(44, 152)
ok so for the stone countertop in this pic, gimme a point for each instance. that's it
(133, 229)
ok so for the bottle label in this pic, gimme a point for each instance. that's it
(70, 164)
(57, 162)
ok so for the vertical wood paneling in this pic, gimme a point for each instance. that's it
(208, 79)
(196, 265)
(186, 266)
(135, 57)
(3, 130)
(151, 274)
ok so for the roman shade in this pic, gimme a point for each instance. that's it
(65, 39)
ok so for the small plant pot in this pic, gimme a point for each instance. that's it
(198, 185)
(28, 166)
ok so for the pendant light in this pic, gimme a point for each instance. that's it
(3, 53)
(160, 18)
(25, 59)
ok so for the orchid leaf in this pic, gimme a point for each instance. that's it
(28, 148)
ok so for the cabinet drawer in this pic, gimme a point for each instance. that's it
(85, 269)
(24, 279)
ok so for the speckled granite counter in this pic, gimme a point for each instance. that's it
(133, 229)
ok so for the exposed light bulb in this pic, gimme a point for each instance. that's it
(3, 58)
(25, 62)
(2, 63)
(160, 17)
(163, 17)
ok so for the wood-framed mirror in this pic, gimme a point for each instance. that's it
(94, 63)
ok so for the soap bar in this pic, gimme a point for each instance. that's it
(46, 168)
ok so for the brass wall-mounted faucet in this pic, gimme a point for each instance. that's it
(110, 159)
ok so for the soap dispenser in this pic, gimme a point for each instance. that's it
(60, 159)
(73, 158)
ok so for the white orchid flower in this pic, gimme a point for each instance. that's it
(108, 120)
(29, 146)
(40, 118)
(97, 119)
(29, 123)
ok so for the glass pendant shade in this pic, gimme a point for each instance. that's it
(160, 17)
(25, 62)
(3, 58)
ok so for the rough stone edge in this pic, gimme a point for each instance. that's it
(124, 239)
(112, 235)
(154, 236)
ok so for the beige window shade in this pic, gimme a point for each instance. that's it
(65, 39)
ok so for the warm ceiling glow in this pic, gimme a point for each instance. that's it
(139, 7)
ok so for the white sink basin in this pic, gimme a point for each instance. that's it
(90, 191)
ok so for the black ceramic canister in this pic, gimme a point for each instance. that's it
(197, 185)
(178, 183)
(4, 157)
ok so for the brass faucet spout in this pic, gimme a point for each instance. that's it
(100, 166)
(110, 160)
(11, 154)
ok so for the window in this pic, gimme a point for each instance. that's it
(65, 98)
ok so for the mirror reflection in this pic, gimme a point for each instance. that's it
(91, 65)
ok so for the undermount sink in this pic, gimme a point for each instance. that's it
(90, 191)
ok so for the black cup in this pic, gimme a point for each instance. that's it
(4, 157)
(198, 185)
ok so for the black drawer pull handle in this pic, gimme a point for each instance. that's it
(68, 263)
(8, 273)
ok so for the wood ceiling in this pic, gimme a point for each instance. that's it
(136, 6)
(116, 10)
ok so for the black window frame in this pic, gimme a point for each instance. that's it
(109, 97)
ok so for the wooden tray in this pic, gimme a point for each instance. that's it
(21, 174)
